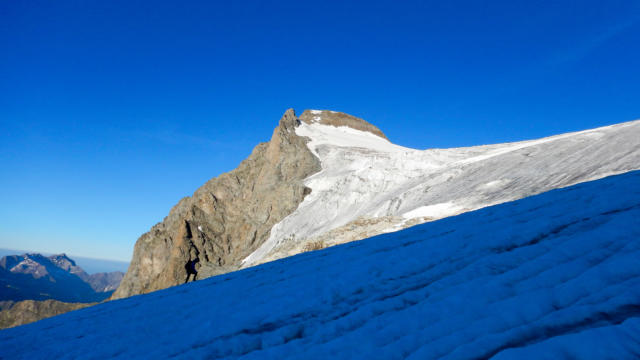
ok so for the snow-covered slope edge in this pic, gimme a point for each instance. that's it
(552, 276)
(369, 186)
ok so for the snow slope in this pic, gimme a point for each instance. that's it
(369, 186)
(553, 276)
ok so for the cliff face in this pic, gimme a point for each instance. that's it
(227, 218)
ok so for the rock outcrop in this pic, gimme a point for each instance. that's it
(227, 218)
(335, 118)
(28, 311)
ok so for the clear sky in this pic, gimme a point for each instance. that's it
(111, 111)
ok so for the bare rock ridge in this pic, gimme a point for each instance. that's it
(230, 216)
(334, 118)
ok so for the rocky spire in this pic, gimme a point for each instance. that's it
(227, 218)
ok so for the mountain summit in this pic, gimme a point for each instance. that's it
(226, 219)
(327, 178)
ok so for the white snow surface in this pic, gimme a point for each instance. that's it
(553, 276)
(436, 211)
(366, 176)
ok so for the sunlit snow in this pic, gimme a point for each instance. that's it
(434, 211)
(365, 176)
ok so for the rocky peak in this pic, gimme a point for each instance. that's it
(227, 218)
(335, 118)
(35, 265)
(67, 264)
(288, 120)
(62, 261)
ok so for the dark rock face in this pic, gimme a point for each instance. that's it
(27, 311)
(227, 218)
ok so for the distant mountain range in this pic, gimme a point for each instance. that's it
(90, 265)
(57, 277)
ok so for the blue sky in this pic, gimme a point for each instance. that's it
(110, 112)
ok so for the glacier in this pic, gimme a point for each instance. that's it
(368, 185)
(551, 276)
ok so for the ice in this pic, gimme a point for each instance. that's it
(434, 211)
(365, 176)
(344, 136)
(552, 276)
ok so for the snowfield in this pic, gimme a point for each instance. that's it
(552, 276)
(366, 177)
